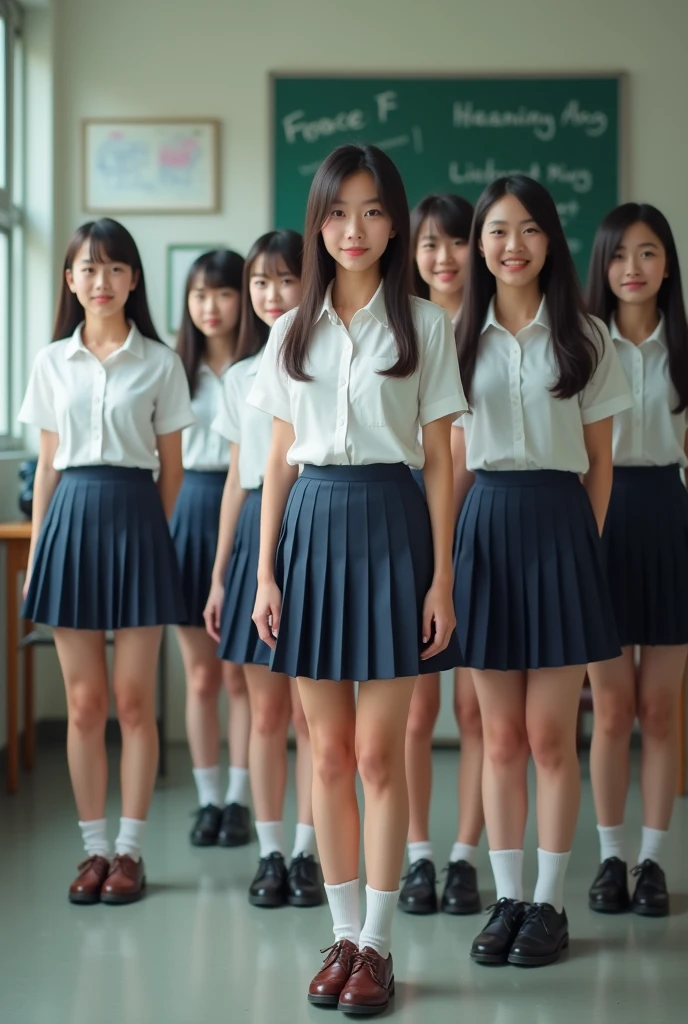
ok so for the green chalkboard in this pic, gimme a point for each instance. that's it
(457, 135)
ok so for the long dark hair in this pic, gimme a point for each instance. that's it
(109, 242)
(221, 268)
(274, 245)
(319, 266)
(574, 334)
(602, 301)
(453, 214)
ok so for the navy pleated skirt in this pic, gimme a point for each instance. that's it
(105, 558)
(645, 545)
(194, 527)
(239, 640)
(530, 589)
(417, 475)
(354, 563)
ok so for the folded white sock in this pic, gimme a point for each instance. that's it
(304, 841)
(420, 851)
(208, 786)
(611, 841)
(551, 877)
(270, 837)
(130, 837)
(345, 908)
(239, 787)
(377, 930)
(507, 868)
(462, 851)
(94, 835)
(652, 845)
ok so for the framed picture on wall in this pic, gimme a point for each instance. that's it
(179, 260)
(151, 166)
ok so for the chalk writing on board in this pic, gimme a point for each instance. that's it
(295, 126)
(542, 122)
(578, 179)
(415, 139)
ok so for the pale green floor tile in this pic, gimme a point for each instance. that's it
(195, 951)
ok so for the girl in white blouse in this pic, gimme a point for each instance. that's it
(359, 586)
(207, 346)
(272, 286)
(635, 287)
(440, 229)
(111, 401)
(543, 382)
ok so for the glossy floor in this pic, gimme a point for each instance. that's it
(194, 950)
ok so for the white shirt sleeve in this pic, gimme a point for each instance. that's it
(173, 402)
(440, 392)
(607, 393)
(38, 407)
(270, 390)
(226, 422)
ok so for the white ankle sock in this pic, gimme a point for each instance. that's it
(94, 835)
(270, 837)
(420, 851)
(304, 841)
(507, 868)
(551, 876)
(345, 908)
(611, 841)
(651, 845)
(377, 930)
(208, 786)
(462, 851)
(130, 837)
(239, 787)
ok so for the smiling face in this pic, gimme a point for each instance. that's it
(513, 245)
(214, 311)
(441, 260)
(357, 230)
(638, 266)
(101, 288)
(273, 288)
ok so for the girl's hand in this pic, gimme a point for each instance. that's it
(266, 612)
(439, 619)
(212, 612)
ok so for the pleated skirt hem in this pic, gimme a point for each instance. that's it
(194, 527)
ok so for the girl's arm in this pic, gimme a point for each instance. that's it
(598, 480)
(279, 480)
(438, 609)
(233, 497)
(171, 469)
(45, 481)
(463, 478)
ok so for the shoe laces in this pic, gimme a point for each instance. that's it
(647, 872)
(535, 914)
(89, 862)
(420, 868)
(457, 874)
(127, 865)
(504, 908)
(337, 951)
(369, 960)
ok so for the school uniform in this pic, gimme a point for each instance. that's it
(355, 560)
(104, 558)
(195, 522)
(249, 428)
(529, 583)
(417, 474)
(645, 537)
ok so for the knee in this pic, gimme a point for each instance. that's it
(614, 718)
(506, 743)
(375, 767)
(88, 707)
(203, 682)
(334, 760)
(421, 722)
(235, 682)
(269, 718)
(657, 716)
(134, 707)
(299, 723)
(550, 745)
(467, 713)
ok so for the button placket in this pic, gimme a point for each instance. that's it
(638, 411)
(343, 384)
(97, 409)
(516, 402)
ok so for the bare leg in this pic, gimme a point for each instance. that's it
(425, 706)
(270, 712)
(467, 712)
(613, 689)
(239, 728)
(659, 688)
(304, 759)
(203, 681)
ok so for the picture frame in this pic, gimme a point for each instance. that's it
(179, 260)
(150, 165)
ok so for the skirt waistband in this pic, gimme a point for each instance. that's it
(379, 471)
(647, 474)
(205, 476)
(526, 478)
(116, 473)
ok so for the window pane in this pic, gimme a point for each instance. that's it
(4, 333)
(3, 103)
(17, 362)
(18, 122)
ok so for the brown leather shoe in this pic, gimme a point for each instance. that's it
(87, 885)
(126, 881)
(328, 983)
(370, 984)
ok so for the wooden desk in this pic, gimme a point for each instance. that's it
(17, 538)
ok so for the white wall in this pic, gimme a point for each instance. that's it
(212, 58)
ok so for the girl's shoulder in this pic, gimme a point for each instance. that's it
(426, 317)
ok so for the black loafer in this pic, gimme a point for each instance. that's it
(269, 887)
(304, 882)
(206, 827)
(543, 936)
(650, 898)
(235, 827)
(419, 896)
(609, 892)
(461, 894)
(494, 943)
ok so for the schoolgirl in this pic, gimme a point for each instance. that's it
(635, 287)
(440, 228)
(207, 345)
(111, 401)
(543, 382)
(272, 286)
(359, 586)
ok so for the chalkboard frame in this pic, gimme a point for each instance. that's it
(623, 182)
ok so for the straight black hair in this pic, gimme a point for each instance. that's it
(574, 334)
(319, 266)
(284, 245)
(603, 303)
(110, 242)
(453, 214)
(220, 268)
